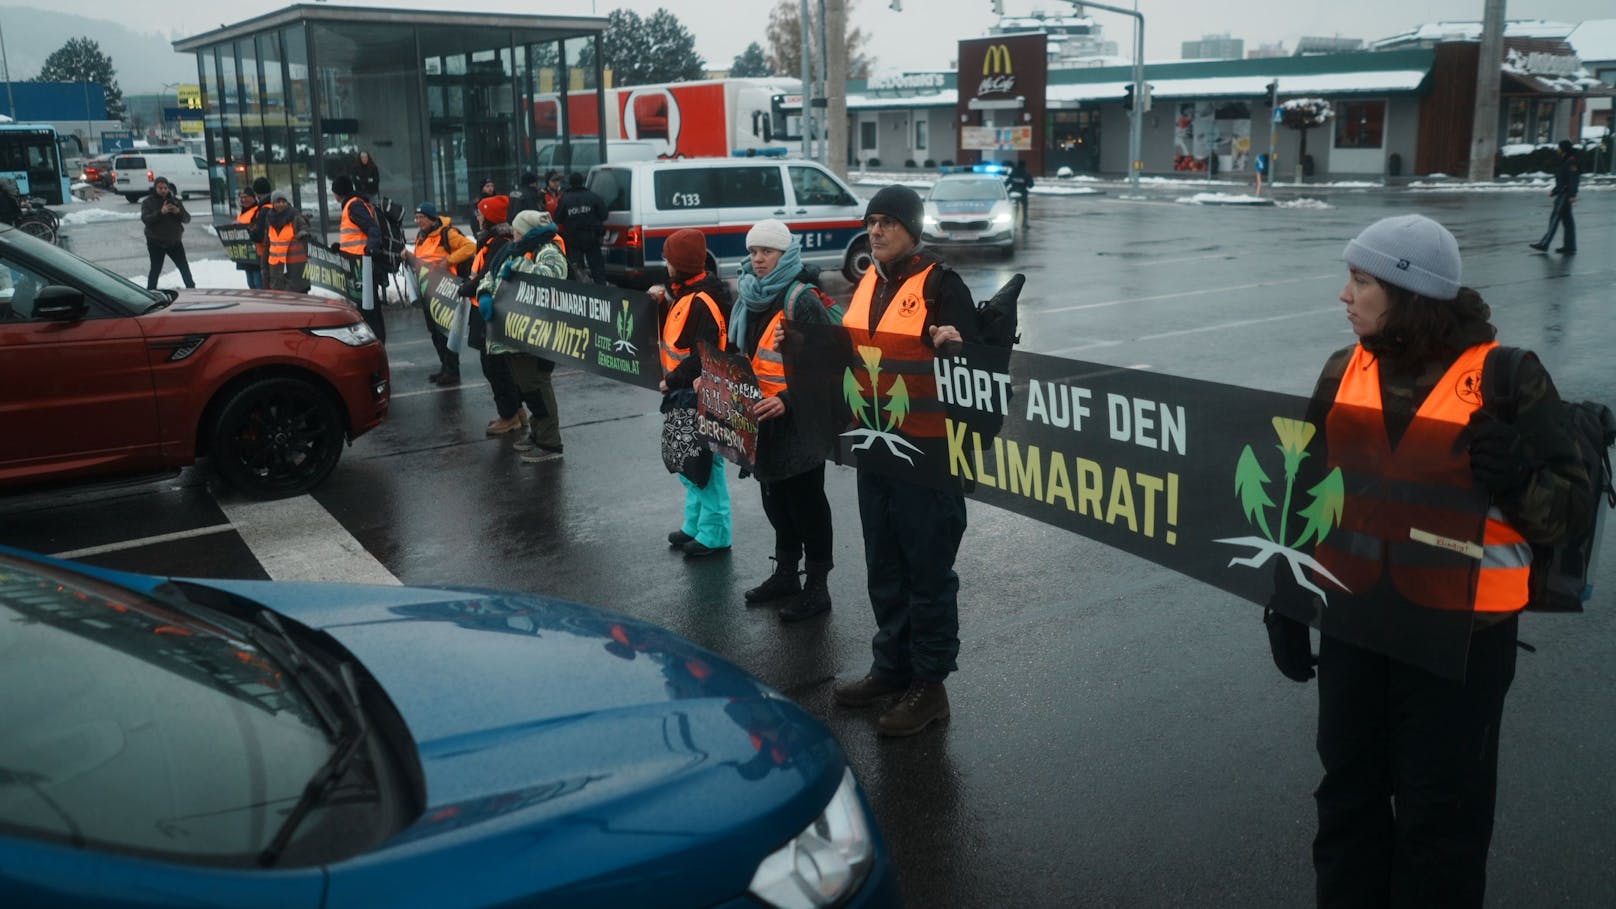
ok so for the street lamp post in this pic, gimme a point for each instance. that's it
(1136, 132)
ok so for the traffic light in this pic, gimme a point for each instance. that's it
(1273, 93)
(998, 7)
(1144, 100)
(1127, 98)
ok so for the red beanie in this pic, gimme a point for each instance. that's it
(686, 253)
(495, 209)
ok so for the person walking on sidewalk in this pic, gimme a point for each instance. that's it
(790, 467)
(912, 533)
(165, 218)
(690, 311)
(1564, 195)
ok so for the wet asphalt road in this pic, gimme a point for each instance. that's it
(1119, 735)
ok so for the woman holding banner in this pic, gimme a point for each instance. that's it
(1411, 756)
(535, 250)
(790, 466)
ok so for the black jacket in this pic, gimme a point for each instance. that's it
(367, 179)
(582, 215)
(786, 447)
(1566, 177)
(162, 228)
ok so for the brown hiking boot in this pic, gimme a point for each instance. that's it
(868, 690)
(923, 704)
(500, 427)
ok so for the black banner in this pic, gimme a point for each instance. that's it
(440, 294)
(605, 330)
(729, 391)
(238, 243)
(1202, 478)
(341, 274)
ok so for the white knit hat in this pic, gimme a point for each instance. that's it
(770, 234)
(1409, 251)
(529, 219)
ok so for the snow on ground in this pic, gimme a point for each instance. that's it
(1304, 203)
(1223, 199)
(93, 215)
(1044, 189)
(206, 273)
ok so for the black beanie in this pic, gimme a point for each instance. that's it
(900, 203)
(262, 186)
(342, 186)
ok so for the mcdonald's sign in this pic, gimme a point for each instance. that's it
(996, 62)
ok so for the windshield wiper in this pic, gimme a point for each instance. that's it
(169, 296)
(341, 693)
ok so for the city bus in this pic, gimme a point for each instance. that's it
(29, 154)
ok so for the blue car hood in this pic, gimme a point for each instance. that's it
(586, 747)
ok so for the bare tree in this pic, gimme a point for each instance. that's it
(785, 41)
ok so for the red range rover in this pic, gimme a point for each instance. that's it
(99, 377)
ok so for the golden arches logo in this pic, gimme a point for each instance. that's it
(997, 61)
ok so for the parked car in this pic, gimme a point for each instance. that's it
(647, 201)
(98, 172)
(248, 744)
(970, 210)
(137, 171)
(99, 377)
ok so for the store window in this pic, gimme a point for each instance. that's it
(1544, 123)
(1515, 122)
(920, 134)
(867, 135)
(1360, 124)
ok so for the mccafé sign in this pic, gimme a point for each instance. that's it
(998, 72)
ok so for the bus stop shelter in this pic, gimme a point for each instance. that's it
(442, 100)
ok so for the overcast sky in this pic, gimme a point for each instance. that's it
(924, 34)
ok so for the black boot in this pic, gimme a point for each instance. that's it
(783, 583)
(815, 597)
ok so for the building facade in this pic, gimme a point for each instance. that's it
(440, 100)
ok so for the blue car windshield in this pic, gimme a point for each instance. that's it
(135, 725)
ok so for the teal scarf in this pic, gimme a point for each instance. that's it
(754, 294)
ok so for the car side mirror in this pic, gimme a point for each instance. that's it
(59, 303)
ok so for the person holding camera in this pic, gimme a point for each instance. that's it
(165, 218)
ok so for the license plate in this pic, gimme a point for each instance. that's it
(963, 235)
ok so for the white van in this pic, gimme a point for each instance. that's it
(136, 171)
(647, 201)
(586, 154)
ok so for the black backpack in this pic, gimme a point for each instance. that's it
(390, 216)
(1560, 573)
(997, 318)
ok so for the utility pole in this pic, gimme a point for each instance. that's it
(823, 91)
(1484, 129)
(807, 87)
(836, 87)
(5, 69)
(1136, 132)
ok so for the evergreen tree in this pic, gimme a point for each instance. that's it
(751, 62)
(785, 41)
(81, 60)
(654, 49)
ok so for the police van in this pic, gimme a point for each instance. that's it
(647, 201)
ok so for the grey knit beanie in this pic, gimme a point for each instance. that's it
(1409, 251)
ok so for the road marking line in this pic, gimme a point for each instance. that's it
(1187, 293)
(296, 539)
(143, 541)
(1238, 324)
(439, 390)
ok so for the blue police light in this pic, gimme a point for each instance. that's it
(990, 167)
(759, 153)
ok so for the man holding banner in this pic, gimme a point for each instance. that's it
(439, 248)
(907, 307)
(287, 231)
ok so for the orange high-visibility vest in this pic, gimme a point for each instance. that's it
(905, 357)
(1422, 487)
(284, 247)
(672, 353)
(767, 364)
(246, 217)
(352, 240)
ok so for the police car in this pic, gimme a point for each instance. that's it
(970, 209)
(647, 201)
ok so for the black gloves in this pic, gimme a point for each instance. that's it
(1290, 645)
(335, 247)
(1497, 457)
(468, 289)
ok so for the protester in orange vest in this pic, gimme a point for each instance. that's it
(287, 231)
(909, 306)
(1411, 758)
(439, 245)
(690, 312)
(252, 215)
(359, 235)
(790, 467)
